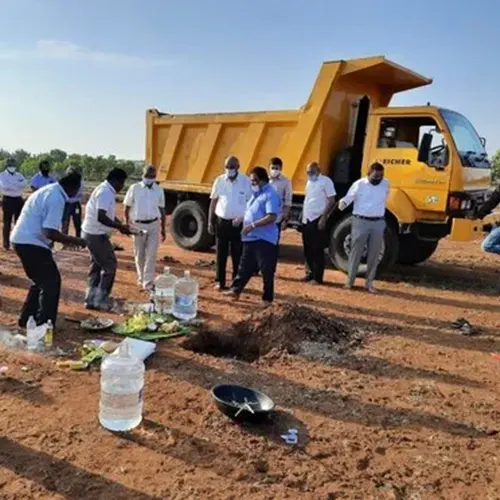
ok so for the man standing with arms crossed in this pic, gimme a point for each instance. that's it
(100, 220)
(145, 210)
(318, 205)
(369, 196)
(228, 201)
(12, 186)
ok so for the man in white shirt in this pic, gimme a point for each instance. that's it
(369, 196)
(100, 220)
(39, 225)
(12, 186)
(145, 211)
(228, 201)
(318, 205)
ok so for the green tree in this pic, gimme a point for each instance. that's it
(495, 167)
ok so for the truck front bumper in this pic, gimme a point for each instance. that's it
(470, 230)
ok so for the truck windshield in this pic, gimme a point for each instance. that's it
(467, 140)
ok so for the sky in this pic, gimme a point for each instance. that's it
(79, 75)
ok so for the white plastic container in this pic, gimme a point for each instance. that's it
(34, 336)
(122, 390)
(164, 292)
(186, 298)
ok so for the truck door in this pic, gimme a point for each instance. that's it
(395, 144)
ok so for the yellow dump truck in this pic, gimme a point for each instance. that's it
(435, 160)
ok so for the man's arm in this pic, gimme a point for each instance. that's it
(350, 196)
(58, 237)
(288, 202)
(103, 218)
(214, 198)
(272, 210)
(330, 204)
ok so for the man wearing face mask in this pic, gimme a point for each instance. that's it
(228, 199)
(260, 237)
(43, 178)
(145, 211)
(318, 205)
(283, 187)
(369, 196)
(12, 186)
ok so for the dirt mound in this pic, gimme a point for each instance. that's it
(290, 328)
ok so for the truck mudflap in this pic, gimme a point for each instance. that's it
(472, 229)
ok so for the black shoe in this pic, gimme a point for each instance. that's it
(307, 279)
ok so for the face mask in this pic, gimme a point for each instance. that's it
(274, 173)
(255, 189)
(312, 177)
(375, 182)
(231, 173)
(11, 170)
(148, 182)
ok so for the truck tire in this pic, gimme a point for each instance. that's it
(340, 245)
(414, 251)
(189, 226)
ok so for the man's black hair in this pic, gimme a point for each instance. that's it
(276, 161)
(117, 175)
(71, 181)
(43, 163)
(376, 167)
(260, 173)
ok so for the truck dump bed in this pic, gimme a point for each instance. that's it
(189, 150)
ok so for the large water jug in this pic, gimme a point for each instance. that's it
(122, 390)
(164, 292)
(186, 297)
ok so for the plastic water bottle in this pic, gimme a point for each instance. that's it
(186, 298)
(165, 292)
(122, 390)
(48, 339)
(33, 341)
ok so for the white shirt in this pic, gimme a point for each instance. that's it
(283, 186)
(369, 200)
(144, 202)
(44, 209)
(232, 196)
(103, 198)
(12, 185)
(316, 200)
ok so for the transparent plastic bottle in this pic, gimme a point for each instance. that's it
(33, 341)
(186, 297)
(49, 335)
(122, 390)
(164, 292)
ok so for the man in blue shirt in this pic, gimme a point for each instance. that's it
(43, 178)
(39, 225)
(259, 236)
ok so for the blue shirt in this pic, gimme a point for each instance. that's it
(43, 210)
(39, 181)
(264, 202)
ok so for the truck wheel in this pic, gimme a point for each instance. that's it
(189, 226)
(414, 251)
(340, 246)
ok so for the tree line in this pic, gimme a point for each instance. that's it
(94, 168)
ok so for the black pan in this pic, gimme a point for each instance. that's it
(242, 403)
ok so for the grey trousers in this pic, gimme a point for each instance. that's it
(103, 263)
(366, 232)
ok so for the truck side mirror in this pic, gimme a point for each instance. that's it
(425, 148)
(483, 141)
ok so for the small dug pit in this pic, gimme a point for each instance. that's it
(287, 328)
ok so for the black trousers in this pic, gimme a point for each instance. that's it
(73, 211)
(260, 255)
(11, 210)
(313, 240)
(228, 239)
(42, 301)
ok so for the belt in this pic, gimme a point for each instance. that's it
(150, 221)
(369, 218)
